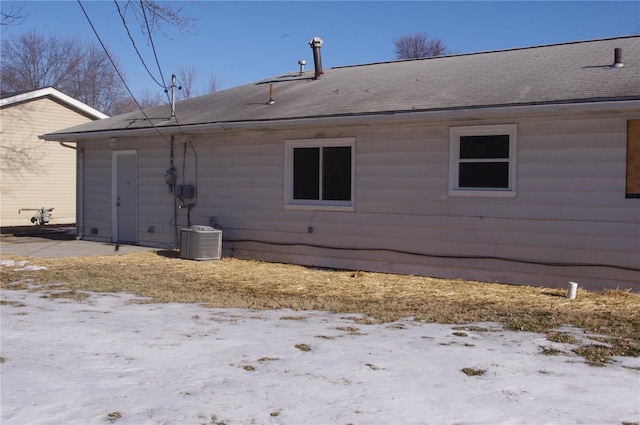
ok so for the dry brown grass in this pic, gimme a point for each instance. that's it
(163, 277)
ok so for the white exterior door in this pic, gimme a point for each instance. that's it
(124, 189)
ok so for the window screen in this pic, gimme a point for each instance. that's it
(478, 167)
(336, 173)
(484, 174)
(476, 147)
(482, 160)
(322, 173)
(306, 173)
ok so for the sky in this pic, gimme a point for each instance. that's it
(240, 42)
(112, 359)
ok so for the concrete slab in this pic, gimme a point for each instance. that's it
(59, 242)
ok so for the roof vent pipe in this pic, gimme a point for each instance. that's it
(617, 58)
(271, 101)
(316, 44)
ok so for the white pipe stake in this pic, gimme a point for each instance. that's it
(573, 288)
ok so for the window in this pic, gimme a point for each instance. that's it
(482, 160)
(319, 173)
(633, 159)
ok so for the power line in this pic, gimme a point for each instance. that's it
(155, 55)
(153, 47)
(118, 71)
(135, 47)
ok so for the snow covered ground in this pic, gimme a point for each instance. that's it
(109, 360)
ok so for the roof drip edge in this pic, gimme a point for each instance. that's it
(362, 118)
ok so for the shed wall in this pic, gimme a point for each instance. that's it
(570, 206)
(36, 173)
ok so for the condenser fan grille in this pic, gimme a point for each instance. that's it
(200, 243)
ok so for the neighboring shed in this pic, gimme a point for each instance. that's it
(516, 166)
(34, 173)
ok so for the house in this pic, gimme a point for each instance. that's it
(518, 166)
(36, 175)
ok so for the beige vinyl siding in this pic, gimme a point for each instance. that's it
(35, 173)
(570, 205)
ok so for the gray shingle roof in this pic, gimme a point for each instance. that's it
(563, 73)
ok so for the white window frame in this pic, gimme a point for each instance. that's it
(455, 133)
(289, 202)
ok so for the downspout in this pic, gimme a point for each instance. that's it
(66, 146)
(79, 193)
(79, 188)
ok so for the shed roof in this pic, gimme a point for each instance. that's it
(9, 99)
(568, 73)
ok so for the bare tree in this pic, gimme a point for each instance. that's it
(32, 61)
(13, 15)
(149, 99)
(96, 81)
(146, 100)
(214, 83)
(153, 16)
(418, 45)
(187, 77)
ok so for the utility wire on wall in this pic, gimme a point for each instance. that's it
(433, 255)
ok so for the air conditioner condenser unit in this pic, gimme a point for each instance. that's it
(200, 243)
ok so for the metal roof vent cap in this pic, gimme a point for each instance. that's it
(316, 44)
(617, 58)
